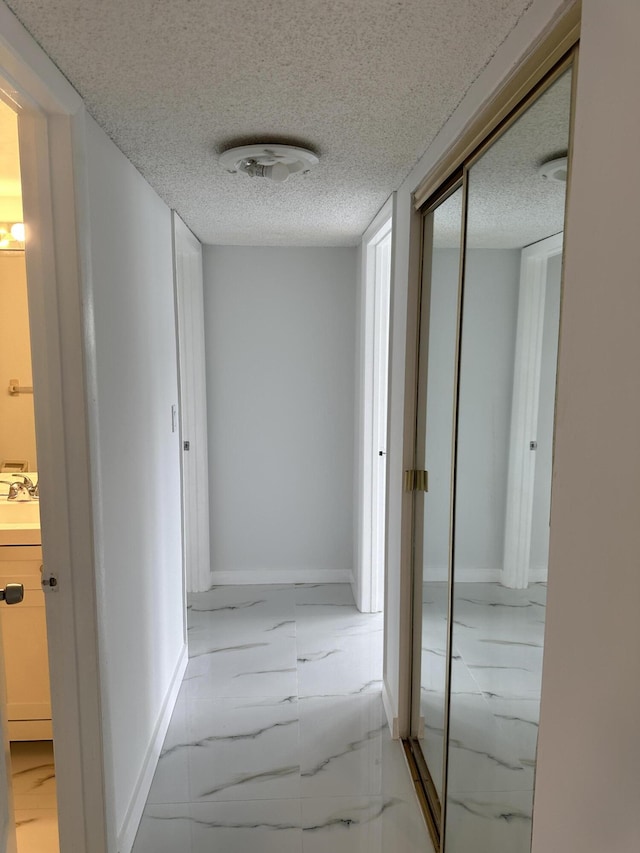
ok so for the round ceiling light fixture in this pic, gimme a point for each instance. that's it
(267, 160)
(554, 170)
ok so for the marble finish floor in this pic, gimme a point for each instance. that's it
(34, 796)
(498, 637)
(278, 742)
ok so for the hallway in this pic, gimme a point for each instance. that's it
(278, 742)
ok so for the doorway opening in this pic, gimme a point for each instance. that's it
(377, 246)
(23, 626)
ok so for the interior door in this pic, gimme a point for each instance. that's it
(193, 406)
(380, 393)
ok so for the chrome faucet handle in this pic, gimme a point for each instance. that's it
(27, 483)
(16, 490)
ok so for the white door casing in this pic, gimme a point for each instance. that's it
(524, 410)
(377, 249)
(51, 126)
(187, 254)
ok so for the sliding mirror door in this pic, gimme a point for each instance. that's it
(432, 508)
(488, 347)
(509, 345)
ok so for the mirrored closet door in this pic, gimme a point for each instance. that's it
(489, 327)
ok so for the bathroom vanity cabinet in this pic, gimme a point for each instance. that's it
(24, 641)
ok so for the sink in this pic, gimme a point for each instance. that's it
(19, 520)
(19, 512)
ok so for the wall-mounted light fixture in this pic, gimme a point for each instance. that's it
(12, 235)
(268, 160)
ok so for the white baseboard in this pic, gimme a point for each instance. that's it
(439, 575)
(538, 574)
(127, 833)
(281, 576)
(390, 711)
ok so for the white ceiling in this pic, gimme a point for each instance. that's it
(510, 205)
(366, 84)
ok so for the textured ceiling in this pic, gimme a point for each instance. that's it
(367, 84)
(510, 205)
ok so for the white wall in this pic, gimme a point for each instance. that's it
(17, 421)
(141, 604)
(280, 341)
(587, 789)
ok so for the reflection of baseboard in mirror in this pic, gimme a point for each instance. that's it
(530, 465)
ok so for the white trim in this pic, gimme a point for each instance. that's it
(467, 575)
(51, 121)
(192, 396)
(538, 574)
(524, 410)
(369, 559)
(127, 833)
(280, 576)
(390, 711)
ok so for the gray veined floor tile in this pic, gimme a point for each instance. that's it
(339, 665)
(482, 756)
(324, 593)
(341, 745)
(240, 614)
(37, 830)
(346, 749)
(243, 749)
(315, 621)
(363, 825)
(498, 822)
(243, 667)
(164, 829)
(33, 775)
(279, 742)
(265, 826)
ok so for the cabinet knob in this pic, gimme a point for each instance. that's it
(13, 593)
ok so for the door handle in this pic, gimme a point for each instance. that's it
(13, 593)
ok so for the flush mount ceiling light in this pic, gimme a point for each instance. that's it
(554, 170)
(267, 160)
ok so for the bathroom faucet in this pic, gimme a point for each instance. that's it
(34, 491)
(17, 491)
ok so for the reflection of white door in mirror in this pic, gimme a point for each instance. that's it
(529, 472)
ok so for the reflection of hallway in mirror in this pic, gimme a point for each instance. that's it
(496, 677)
(34, 796)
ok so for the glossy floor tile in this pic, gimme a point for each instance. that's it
(34, 796)
(496, 673)
(278, 742)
